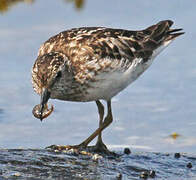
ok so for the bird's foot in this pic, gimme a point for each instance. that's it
(73, 149)
(101, 148)
(65, 147)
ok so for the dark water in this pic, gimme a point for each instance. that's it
(160, 103)
(43, 164)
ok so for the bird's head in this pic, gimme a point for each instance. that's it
(46, 72)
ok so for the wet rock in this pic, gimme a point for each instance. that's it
(96, 157)
(46, 164)
(177, 155)
(111, 157)
(119, 176)
(15, 174)
(152, 173)
(144, 175)
(73, 152)
(85, 153)
(189, 165)
(127, 151)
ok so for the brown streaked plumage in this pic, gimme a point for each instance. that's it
(94, 63)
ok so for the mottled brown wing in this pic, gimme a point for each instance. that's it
(82, 45)
(100, 42)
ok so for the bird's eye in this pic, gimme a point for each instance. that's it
(59, 74)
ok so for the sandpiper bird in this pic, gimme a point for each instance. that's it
(93, 64)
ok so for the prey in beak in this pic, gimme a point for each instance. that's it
(41, 110)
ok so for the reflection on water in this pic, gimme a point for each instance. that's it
(1, 114)
(5, 5)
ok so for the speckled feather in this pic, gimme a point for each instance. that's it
(90, 63)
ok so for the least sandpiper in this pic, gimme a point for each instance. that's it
(95, 63)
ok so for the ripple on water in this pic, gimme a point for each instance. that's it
(1, 113)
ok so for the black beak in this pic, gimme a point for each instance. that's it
(45, 95)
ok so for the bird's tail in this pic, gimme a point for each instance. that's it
(162, 32)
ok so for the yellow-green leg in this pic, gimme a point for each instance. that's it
(100, 146)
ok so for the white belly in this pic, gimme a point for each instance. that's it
(110, 83)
